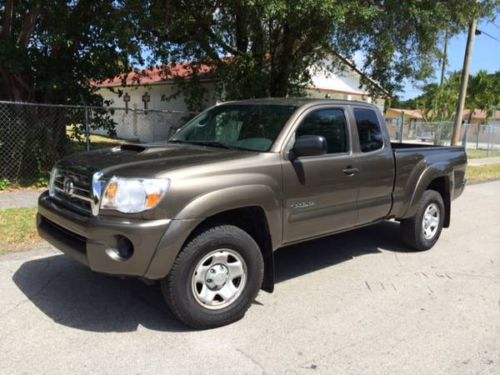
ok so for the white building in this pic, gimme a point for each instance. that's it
(161, 93)
(344, 85)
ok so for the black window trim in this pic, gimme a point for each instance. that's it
(304, 114)
(359, 151)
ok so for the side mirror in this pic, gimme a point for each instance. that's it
(309, 145)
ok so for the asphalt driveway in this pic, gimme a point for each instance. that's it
(354, 303)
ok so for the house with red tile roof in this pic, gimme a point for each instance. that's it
(158, 89)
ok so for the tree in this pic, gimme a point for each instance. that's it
(483, 93)
(438, 102)
(266, 47)
(51, 51)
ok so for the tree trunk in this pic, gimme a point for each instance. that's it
(281, 74)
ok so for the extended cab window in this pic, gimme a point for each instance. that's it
(329, 123)
(369, 132)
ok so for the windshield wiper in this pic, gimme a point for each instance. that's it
(177, 141)
(211, 144)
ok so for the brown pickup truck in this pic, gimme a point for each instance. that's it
(204, 212)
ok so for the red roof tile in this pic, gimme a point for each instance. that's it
(154, 76)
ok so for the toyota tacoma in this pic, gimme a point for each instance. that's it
(204, 212)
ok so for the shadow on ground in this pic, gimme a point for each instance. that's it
(73, 296)
(297, 260)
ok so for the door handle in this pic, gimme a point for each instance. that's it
(350, 171)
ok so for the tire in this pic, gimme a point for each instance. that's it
(412, 230)
(200, 288)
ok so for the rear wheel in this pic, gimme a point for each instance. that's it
(215, 278)
(422, 231)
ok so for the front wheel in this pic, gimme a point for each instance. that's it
(215, 278)
(422, 231)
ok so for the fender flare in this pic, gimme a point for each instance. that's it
(205, 206)
(432, 172)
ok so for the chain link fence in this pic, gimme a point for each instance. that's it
(34, 136)
(473, 136)
(484, 137)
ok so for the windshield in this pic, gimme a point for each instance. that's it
(245, 127)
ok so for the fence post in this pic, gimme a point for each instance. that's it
(478, 130)
(464, 139)
(437, 134)
(489, 139)
(401, 129)
(87, 129)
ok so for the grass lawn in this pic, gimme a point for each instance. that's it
(96, 141)
(479, 154)
(17, 229)
(483, 173)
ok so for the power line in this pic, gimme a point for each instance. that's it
(480, 32)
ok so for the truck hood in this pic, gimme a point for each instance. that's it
(147, 160)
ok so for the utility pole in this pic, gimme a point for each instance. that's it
(455, 140)
(444, 61)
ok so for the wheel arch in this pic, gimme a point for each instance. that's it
(442, 186)
(437, 180)
(238, 197)
(253, 208)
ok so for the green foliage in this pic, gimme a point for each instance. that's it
(266, 47)
(438, 103)
(483, 92)
(42, 182)
(51, 51)
(4, 184)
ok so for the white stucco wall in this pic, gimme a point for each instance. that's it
(150, 126)
(154, 126)
(347, 81)
(340, 85)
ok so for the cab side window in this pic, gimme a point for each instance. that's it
(369, 132)
(329, 123)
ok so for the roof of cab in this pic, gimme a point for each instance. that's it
(296, 102)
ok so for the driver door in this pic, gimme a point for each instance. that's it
(321, 191)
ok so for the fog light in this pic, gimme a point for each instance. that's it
(123, 251)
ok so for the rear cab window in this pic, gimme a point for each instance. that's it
(369, 129)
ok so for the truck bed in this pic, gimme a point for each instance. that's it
(404, 145)
(414, 160)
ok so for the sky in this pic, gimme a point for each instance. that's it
(485, 55)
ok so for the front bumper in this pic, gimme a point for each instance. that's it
(89, 239)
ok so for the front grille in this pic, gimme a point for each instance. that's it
(73, 190)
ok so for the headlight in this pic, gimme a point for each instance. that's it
(52, 187)
(131, 195)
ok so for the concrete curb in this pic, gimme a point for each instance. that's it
(19, 199)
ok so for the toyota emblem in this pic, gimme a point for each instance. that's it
(68, 186)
